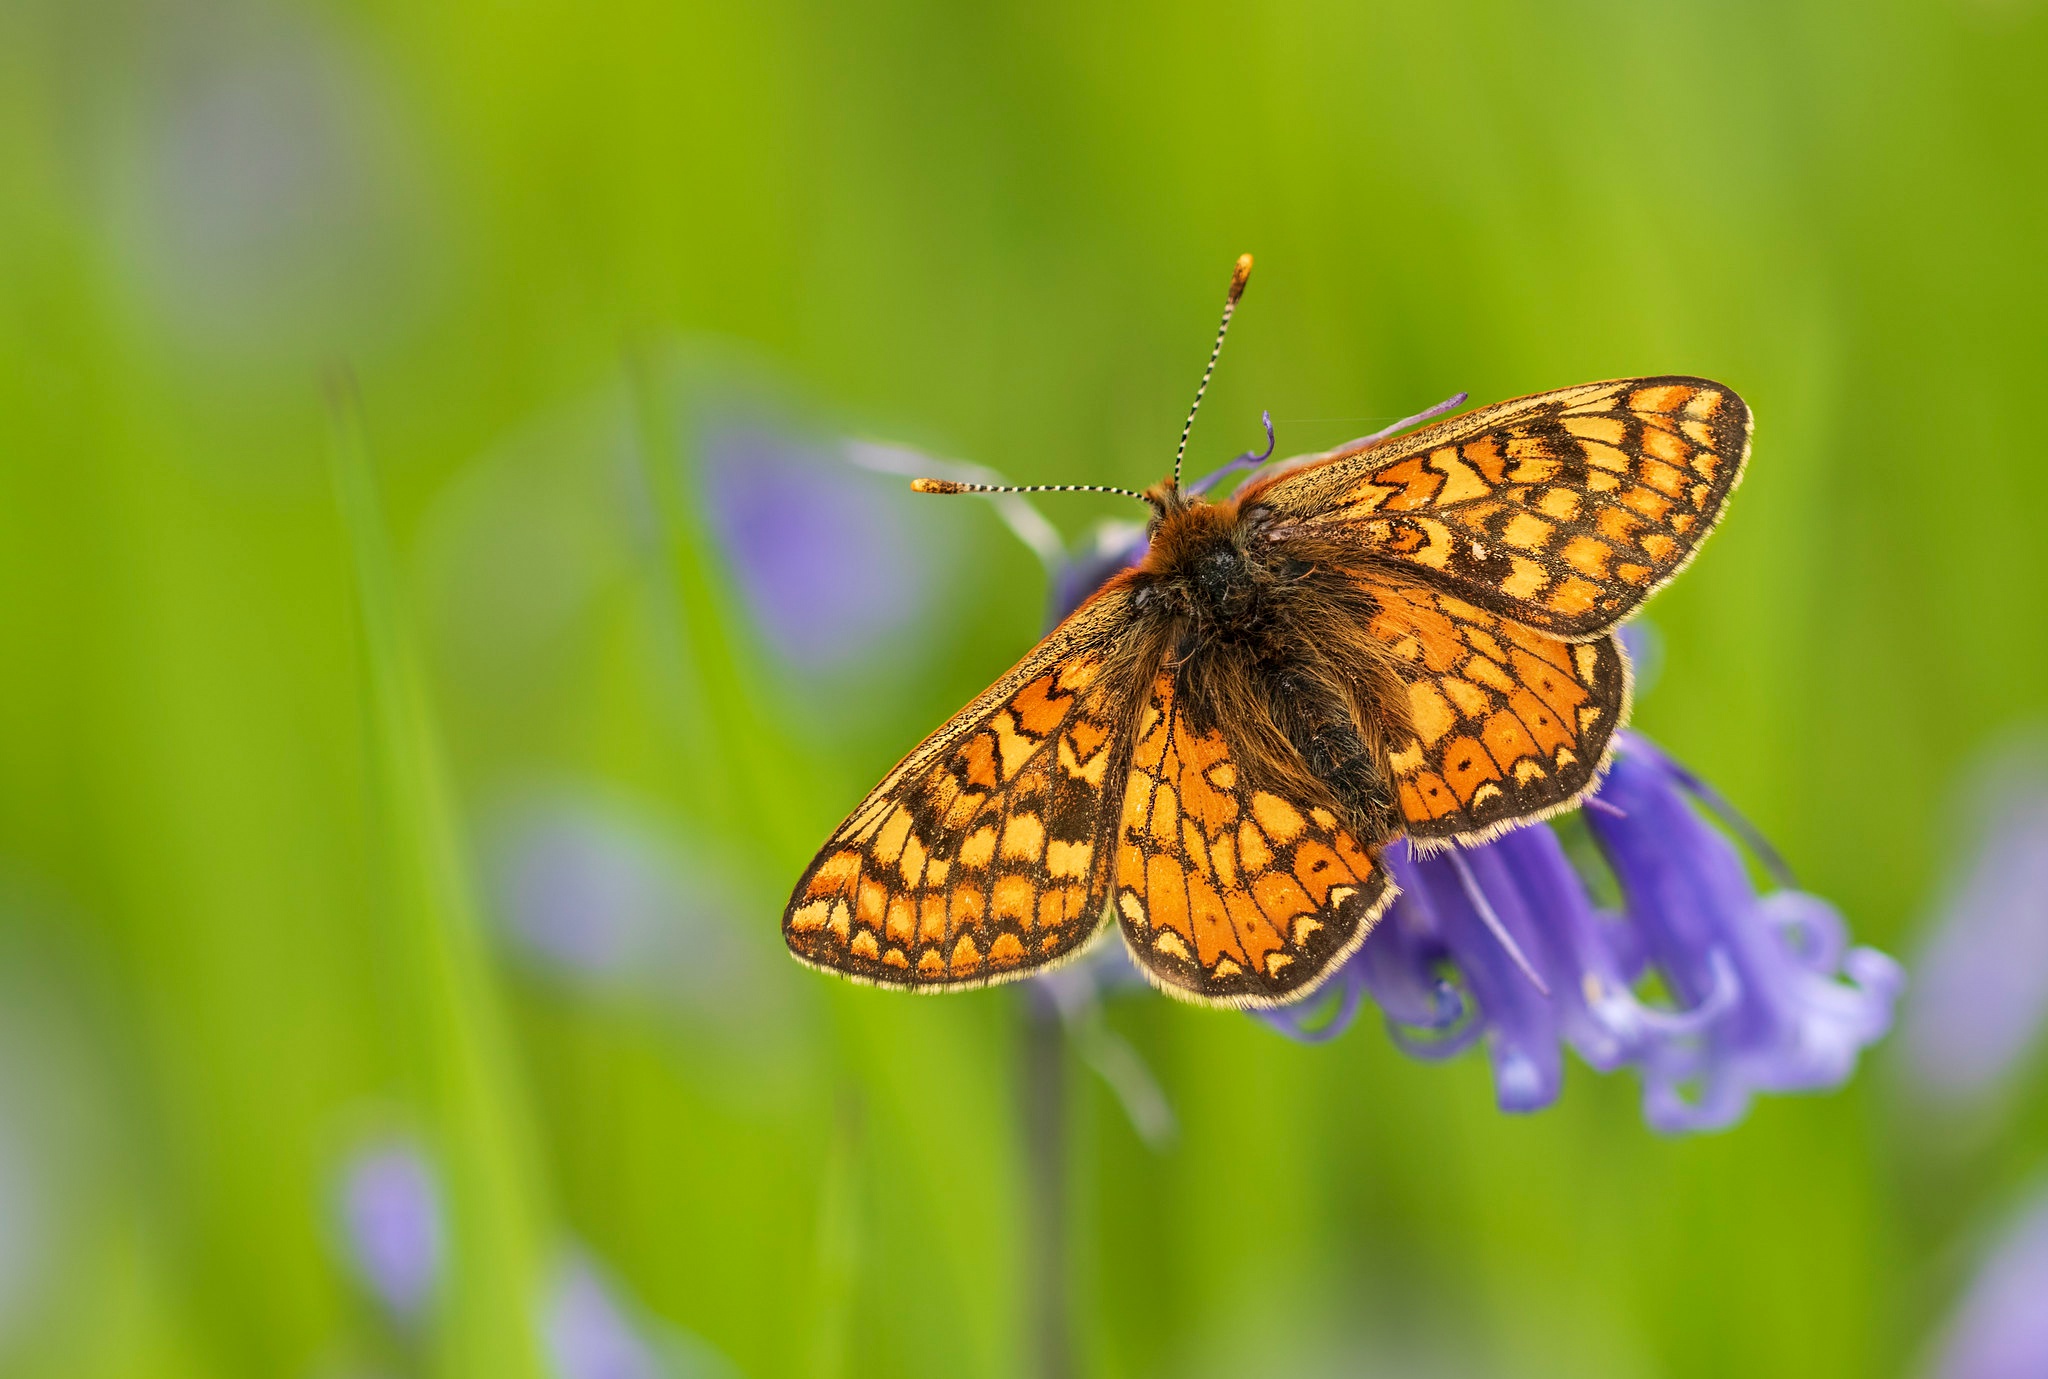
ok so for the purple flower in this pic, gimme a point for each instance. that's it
(1502, 942)
(391, 1227)
(1980, 998)
(2000, 1331)
(822, 557)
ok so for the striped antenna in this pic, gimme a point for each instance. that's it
(1238, 277)
(949, 486)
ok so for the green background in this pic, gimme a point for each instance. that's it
(268, 664)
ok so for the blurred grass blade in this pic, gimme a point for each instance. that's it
(451, 1032)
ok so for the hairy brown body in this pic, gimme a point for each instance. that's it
(1264, 625)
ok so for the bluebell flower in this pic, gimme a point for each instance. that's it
(1503, 943)
(1980, 997)
(2000, 1329)
(391, 1226)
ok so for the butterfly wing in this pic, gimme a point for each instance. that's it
(1230, 894)
(1508, 723)
(985, 854)
(1563, 511)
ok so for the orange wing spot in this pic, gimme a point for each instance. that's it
(1252, 849)
(840, 921)
(966, 957)
(1662, 477)
(935, 871)
(1014, 897)
(1068, 861)
(1467, 766)
(968, 907)
(1665, 446)
(836, 875)
(1670, 397)
(1606, 457)
(1048, 943)
(901, 926)
(912, 863)
(978, 761)
(1281, 897)
(1165, 821)
(1277, 817)
(1633, 574)
(1555, 687)
(1543, 723)
(1014, 747)
(1318, 867)
(1507, 739)
(1610, 429)
(1130, 867)
(930, 964)
(1133, 912)
(1489, 674)
(1256, 934)
(931, 917)
(1462, 483)
(1586, 658)
(1619, 525)
(1704, 403)
(1212, 928)
(979, 849)
(1434, 797)
(1526, 578)
(864, 945)
(1470, 699)
(1657, 545)
(1166, 894)
(1572, 596)
(966, 804)
(1006, 951)
(1560, 503)
(1168, 942)
(1023, 838)
(1525, 531)
(871, 902)
(894, 958)
(895, 833)
(1485, 456)
(1428, 711)
(1587, 556)
(1052, 909)
(808, 919)
(1354, 857)
(1038, 709)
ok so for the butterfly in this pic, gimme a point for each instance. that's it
(1402, 636)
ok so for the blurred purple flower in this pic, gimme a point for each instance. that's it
(820, 552)
(2000, 1330)
(391, 1226)
(588, 1334)
(1981, 994)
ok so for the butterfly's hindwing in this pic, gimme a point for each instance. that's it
(1228, 893)
(1509, 723)
(985, 855)
(1563, 511)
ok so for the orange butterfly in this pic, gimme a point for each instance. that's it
(1398, 636)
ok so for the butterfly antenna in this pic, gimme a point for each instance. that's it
(949, 486)
(1238, 277)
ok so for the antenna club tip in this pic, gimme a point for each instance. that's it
(1240, 275)
(936, 486)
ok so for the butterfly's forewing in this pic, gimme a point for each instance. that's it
(1509, 723)
(1563, 511)
(1229, 893)
(986, 853)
